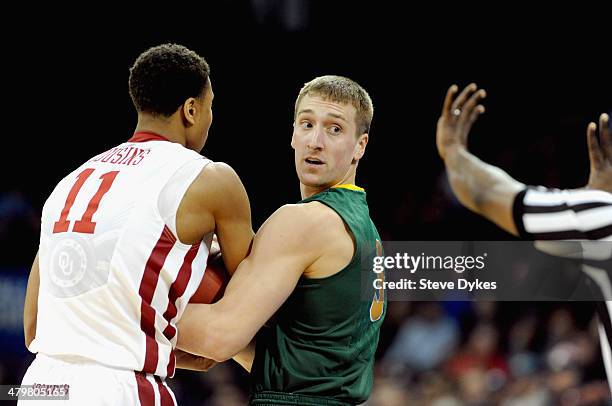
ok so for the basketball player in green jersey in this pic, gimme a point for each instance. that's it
(305, 268)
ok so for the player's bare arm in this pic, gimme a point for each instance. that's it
(30, 308)
(483, 188)
(217, 201)
(295, 240)
(600, 154)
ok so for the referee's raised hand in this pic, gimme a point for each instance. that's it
(458, 115)
(600, 154)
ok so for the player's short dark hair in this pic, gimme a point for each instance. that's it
(164, 76)
(340, 89)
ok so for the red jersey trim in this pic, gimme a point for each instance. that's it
(145, 136)
(147, 288)
(177, 289)
(164, 394)
(146, 393)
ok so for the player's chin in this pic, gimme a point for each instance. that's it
(312, 179)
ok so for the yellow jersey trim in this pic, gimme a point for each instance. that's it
(350, 186)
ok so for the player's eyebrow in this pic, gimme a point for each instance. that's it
(334, 115)
(305, 111)
(338, 116)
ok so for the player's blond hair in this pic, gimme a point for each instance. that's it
(340, 89)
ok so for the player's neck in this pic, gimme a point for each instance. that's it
(169, 127)
(307, 191)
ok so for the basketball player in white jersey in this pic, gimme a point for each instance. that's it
(124, 243)
(536, 213)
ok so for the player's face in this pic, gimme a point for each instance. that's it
(325, 142)
(203, 118)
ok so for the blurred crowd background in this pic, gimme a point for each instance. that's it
(546, 79)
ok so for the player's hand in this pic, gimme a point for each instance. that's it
(458, 115)
(185, 360)
(600, 154)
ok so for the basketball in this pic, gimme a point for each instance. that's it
(213, 283)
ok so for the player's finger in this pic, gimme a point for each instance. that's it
(458, 103)
(604, 136)
(448, 100)
(595, 155)
(475, 114)
(468, 107)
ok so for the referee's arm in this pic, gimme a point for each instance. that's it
(483, 188)
(529, 213)
(532, 213)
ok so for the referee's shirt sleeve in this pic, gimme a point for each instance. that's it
(552, 214)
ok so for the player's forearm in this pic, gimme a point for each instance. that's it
(210, 333)
(485, 189)
(234, 323)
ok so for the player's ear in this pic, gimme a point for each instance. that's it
(189, 110)
(293, 137)
(360, 147)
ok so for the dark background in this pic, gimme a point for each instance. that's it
(547, 74)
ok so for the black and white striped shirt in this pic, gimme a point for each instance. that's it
(552, 214)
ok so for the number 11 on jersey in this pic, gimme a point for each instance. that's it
(84, 225)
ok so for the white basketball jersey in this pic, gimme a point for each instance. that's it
(114, 279)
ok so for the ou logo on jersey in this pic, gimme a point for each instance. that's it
(77, 265)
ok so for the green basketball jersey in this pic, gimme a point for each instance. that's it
(323, 338)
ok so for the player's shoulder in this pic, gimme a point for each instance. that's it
(308, 231)
(308, 213)
(217, 188)
(216, 177)
(312, 218)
